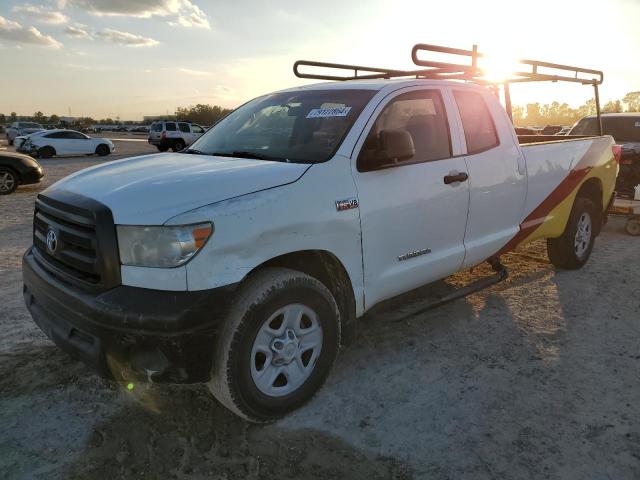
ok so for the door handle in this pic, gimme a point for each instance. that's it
(456, 177)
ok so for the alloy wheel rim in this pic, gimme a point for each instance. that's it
(6, 181)
(583, 235)
(285, 350)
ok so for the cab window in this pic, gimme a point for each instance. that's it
(479, 130)
(422, 114)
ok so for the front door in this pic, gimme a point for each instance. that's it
(413, 210)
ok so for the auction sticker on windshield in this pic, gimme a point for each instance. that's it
(328, 112)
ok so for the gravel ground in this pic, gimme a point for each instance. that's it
(537, 377)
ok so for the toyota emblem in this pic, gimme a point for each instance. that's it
(52, 241)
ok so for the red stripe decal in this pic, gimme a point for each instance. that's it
(537, 217)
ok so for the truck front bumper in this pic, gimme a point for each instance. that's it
(128, 333)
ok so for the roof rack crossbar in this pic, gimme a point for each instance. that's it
(470, 72)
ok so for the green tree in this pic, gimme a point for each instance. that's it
(613, 107)
(13, 116)
(3, 118)
(39, 117)
(201, 113)
(632, 101)
(54, 119)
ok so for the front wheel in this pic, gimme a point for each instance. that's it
(8, 181)
(573, 248)
(277, 345)
(103, 150)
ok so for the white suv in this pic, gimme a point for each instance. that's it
(175, 135)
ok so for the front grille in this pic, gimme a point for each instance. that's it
(84, 251)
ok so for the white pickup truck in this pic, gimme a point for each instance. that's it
(244, 260)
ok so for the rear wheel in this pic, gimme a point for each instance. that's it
(46, 152)
(277, 345)
(163, 148)
(633, 226)
(178, 145)
(8, 181)
(573, 248)
(102, 150)
(10, 141)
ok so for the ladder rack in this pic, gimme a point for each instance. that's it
(469, 71)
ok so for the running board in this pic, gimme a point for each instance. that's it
(480, 284)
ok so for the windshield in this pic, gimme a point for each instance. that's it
(29, 125)
(304, 126)
(622, 129)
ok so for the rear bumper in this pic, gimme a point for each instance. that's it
(128, 333)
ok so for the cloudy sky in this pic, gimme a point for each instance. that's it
(129, 58)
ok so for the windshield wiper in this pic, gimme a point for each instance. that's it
(247, 154)
(193, 151)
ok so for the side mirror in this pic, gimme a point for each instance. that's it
(391, 147)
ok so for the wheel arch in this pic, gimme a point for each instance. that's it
(592, 189)
(328, 269)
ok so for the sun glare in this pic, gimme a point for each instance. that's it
(498, 66)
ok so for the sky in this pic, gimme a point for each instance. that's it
(129, 58)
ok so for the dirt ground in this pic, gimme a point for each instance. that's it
(537, 377)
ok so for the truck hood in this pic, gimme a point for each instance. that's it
(151, 189)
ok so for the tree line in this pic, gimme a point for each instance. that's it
(533, 114)
(556, 113)
(200, 113)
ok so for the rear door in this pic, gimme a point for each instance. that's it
(413, 216)
(497, 174)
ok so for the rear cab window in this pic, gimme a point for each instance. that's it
(479, 130)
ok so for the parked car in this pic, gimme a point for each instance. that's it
(625, 129)
(65, 142)
(245, 259)
(17, 169)
(140, 129)
(21, 128)
(175, 135)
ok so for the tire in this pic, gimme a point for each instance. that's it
(102, 150)
(9, 181)
(46, 152)
(573, 248)
(9, 141)
(263, 310)
(178, 145)
(162, 148)
(632, 226)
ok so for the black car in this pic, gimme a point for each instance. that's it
(17, 169)
(625, 130)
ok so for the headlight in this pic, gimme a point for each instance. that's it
(162, 246)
